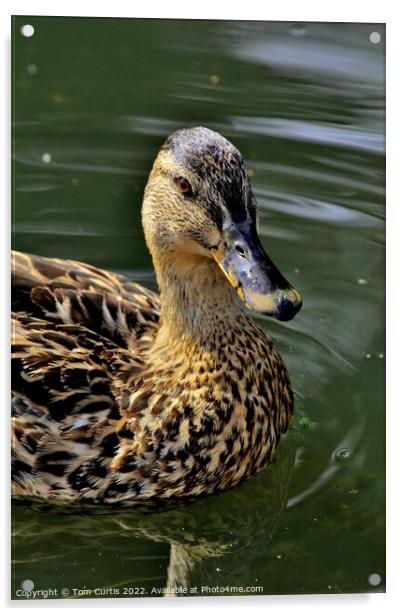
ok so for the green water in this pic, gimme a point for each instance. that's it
(93, 100)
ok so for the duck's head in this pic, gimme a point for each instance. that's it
(198, 203)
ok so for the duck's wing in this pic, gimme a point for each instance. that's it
(66, 407)
(71, 292)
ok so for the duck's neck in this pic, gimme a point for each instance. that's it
(197, 303)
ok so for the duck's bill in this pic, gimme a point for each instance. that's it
(251, 272)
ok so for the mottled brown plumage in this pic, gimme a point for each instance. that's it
(121, 394)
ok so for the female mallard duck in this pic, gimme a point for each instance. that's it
(121, 394)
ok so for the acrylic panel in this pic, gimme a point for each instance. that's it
(93, 99)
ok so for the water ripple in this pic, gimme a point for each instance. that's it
(312, 209)
(312, 132)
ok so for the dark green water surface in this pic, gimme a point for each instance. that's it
(93, 101)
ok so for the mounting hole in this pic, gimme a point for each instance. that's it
(375, 38)
(27, 585)
(374, 579)
(27, 30)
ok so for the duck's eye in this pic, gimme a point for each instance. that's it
(184, 186)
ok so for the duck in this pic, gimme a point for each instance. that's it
(124, 395)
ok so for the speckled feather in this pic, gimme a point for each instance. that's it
(94, 421)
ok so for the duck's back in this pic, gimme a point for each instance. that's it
(71, 292)
(74, 328)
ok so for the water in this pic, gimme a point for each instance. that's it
(93, 101)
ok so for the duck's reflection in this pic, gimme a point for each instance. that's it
(207, 543)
